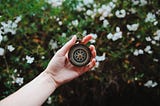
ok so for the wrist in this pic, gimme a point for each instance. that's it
(51, 78)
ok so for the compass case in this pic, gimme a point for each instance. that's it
(79, 55)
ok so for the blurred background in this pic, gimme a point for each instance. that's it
(126, 34)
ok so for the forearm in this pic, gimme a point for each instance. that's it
(32, 94)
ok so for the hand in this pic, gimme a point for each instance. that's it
(61, 70)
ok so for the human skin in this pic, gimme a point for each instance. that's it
(58, 72)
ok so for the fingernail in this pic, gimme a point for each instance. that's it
(75, 36)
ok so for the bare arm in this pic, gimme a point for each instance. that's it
(32, 94)
(59, 71)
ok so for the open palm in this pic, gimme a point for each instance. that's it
(62, 70)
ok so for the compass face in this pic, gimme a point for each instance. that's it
(79, 55)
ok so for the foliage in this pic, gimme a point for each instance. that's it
(125, 33)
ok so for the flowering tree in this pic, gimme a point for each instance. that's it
(126, 34)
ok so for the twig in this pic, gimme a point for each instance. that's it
(6, 63)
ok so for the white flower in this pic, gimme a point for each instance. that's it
(153, 42)
(84, 33)
(57, 19)
(89, 12)
(18, 19)
(101, 18)
(114, 1)
(132, 39)
(132, 27)
(100, 10)
(105, 14)
(95, 5)
(158, 32)
(43, 8)
(135, 78)
(94, 37)
(101, 58)
(94, 13)
(15, 70)
(19, 81)
(109, 36)
(150, 52)
(86, 2)
(148, 38)
(53, 44)
(155, 60)
(75, 23)
(112, 5)
(143, 2)
(14, 25)
(116, 35)
(63, 34)
(10, 26)
(157, 37)
(139, 2)
(148, 49)
(1, 51)
(105, 10)
(49, 100)
(29, 59)
(43, 57)
(150, 17)
(80, 7)
(138, 52)
(55, 3)
(105, 23)
(117, 29)
(133, 10)
(96, 66)
(60, 23)
(150, 84)
(155, 23)
(10, 48)
(135, 2)
(120, 13)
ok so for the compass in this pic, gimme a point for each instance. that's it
(79, 55)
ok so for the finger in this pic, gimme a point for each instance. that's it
(90, 65)
(86, 39)
(93, 51)
(68, 45)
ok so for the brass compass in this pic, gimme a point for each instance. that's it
(79, 54)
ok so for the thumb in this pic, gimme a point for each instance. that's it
(68, 45)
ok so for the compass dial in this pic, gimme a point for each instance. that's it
(79, 55)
